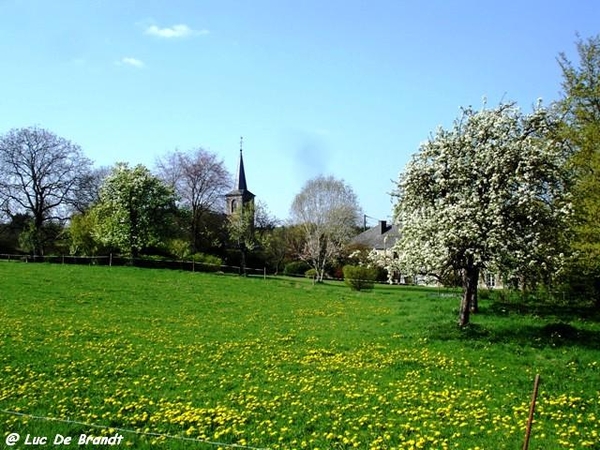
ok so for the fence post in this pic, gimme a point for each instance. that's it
(110, 260)
(536, 384)
(264, 273)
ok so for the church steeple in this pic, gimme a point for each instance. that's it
(241, 175)
(240, 196)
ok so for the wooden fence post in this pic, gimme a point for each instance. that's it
(536, 384)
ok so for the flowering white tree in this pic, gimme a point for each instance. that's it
(133, 210)
(488, 193)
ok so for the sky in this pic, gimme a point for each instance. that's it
(347, 88)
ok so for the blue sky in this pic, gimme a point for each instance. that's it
(336, 87)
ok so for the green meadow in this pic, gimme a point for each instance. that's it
(192, 360)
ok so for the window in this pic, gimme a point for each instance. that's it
(490, 279)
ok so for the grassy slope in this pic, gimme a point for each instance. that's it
(280, 363)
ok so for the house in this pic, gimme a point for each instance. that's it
(380, 238)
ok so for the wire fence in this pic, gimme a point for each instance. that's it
(112, 429)
(116, 260)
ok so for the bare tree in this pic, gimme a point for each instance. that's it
(200, 180)
(88, 192)
(328, 213)
(40, 175)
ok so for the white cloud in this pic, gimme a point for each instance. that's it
(176, 31)
(127, 61)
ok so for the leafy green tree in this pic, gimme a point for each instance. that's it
(242, 232)
(276, 247)
(250, 228)
(134, 210)
(81, 235)
(581, 105)
(490, 193)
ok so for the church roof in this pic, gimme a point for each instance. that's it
(240, 187)
(241, 175)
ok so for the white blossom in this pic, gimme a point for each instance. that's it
(488, 192)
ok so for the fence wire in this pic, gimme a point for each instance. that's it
(136, 432)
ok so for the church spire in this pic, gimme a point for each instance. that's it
(240, 195)
(241, 176)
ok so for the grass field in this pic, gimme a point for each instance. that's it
(280, 363)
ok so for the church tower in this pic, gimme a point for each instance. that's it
(240, 196)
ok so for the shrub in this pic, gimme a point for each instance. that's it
(312, 274)
(360, 278)
(296, 268)
(484, 294)
(179, 248)
(207, 263)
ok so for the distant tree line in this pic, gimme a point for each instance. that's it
(54, 202)
(501, 190)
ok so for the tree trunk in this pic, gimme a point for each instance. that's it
(194, 236)
(320, 275)
(243, 260)
(37, 235)
(195, 229)
(470, 275)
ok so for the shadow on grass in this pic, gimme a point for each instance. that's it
(562, 312)
(552, 334)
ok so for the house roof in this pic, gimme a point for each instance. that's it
(379, 237)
